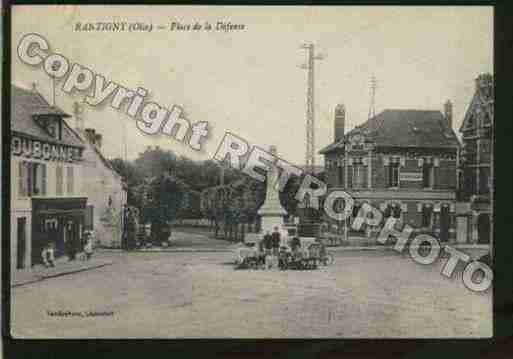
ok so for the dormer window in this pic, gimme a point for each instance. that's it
(52, 129)
(52, 125)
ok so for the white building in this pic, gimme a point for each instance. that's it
(47, 202)
(105, 190)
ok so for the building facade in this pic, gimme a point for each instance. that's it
(106, 192)
(47, 202)
(403, 162)
(476, 161)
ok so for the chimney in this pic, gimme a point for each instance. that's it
(448, 113)
(340, 122)
(484, 85)
(91, 135)
(98, 140)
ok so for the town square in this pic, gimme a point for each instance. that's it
(286, 179)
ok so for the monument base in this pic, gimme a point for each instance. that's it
(269, 222)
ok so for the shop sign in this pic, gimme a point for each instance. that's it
(43, 150)
(410, 176)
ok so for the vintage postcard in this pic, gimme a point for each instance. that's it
(251, 172)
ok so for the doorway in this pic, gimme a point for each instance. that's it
(21, 244)
(444, 223)
(483, 228)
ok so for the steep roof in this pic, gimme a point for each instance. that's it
(25, 104)
(404, 128)
(96, 150)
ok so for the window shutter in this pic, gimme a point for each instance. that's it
(402, 161)
(29, 169)
(421, 162)
(385, 161)
(43, 179)
(22, 179)
(437, 162)
(452, 208)
(419, 207)
(404, 207)
(350, 161)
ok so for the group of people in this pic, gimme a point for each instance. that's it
(48, 252)
(271, 247)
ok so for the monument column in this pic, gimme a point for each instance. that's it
(271, 211)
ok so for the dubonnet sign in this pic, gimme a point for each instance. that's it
(43, 150)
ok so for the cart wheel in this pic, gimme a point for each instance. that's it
(329, 259)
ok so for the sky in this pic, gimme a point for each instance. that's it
(249, 82)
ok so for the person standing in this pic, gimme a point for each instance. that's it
(276, 239)
(268, 245)
(88, 248)
(267, 242)
(48, 255)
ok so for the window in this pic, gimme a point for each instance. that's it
(393, 175)
(483, 180)
(23, 179)
(59, 180)
(31, 179)
(392, 210)
(341, 175)
(38, 179)
(427, 216)
(359, 176)
(427, 175)
(52, 129)
(69, 180)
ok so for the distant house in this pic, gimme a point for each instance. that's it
(106, 192)
(476, 159)
(403, 162)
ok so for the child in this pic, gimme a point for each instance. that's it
(88, 248)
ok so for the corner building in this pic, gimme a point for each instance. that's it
(47, 203)
(403, 162)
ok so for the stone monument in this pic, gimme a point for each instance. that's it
(271, 211)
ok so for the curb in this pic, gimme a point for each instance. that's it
(40, 278)
(391, 247)
(185, 250)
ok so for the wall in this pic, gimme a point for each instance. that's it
(99, 183)
(410, 194)
(22, 206)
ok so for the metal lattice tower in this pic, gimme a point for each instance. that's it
(310, 105)
(372, 107)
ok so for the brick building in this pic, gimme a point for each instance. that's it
(476, 173)
(403, 162)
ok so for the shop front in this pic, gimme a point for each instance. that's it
(58, 221)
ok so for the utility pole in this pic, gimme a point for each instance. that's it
(310, 105)
(79, 121)
(372, 107)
